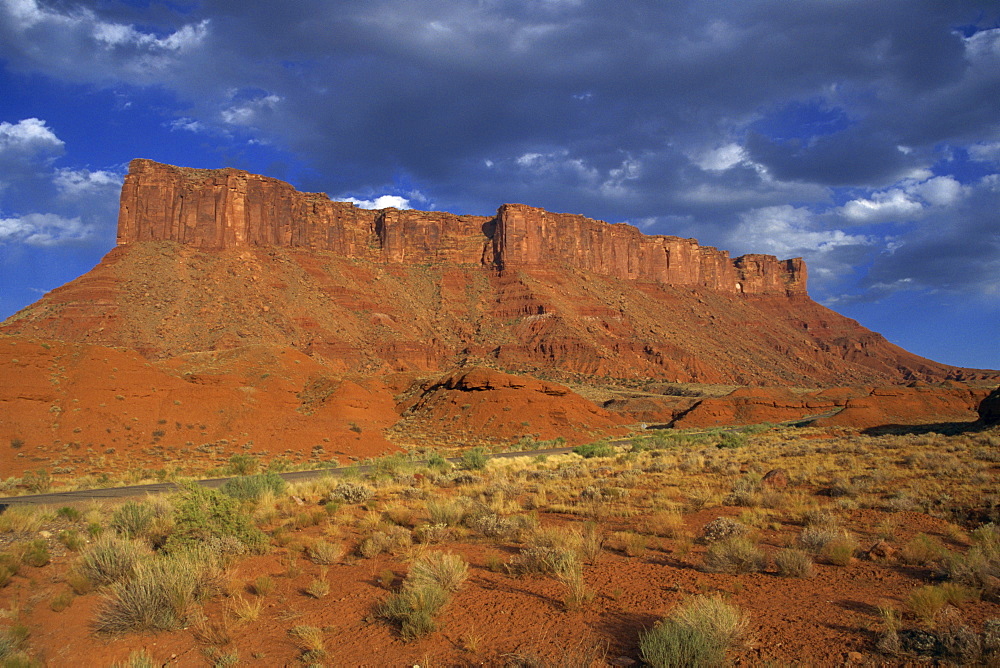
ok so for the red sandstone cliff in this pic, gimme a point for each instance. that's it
(220, 259)
(228, 208)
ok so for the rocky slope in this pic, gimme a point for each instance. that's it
(221, 259)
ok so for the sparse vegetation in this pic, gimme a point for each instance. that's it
(547, 530)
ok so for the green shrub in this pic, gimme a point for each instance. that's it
(72, 540)
(203, 514)
(923, 550)
(734, 555)
(794, 563)
(447, 512)
(414, 609)
(732, 440)
(442, 569)
(133, 519)
(474, 459)
(69, 512)
(35, 553)
(598, 449)
(111, 558)
(139, 658)
(323, 552)
(243, 465)
(438, 462)
(158, 596)
(253, 487)
(698, 633)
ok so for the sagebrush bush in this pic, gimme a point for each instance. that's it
(414, 609)
(722, 528)
(132, 519)
(475, 459)
(598, 449)
(351, 492)
(253, 487)
(446, 511)
(734, 555)
(202, 514)
(111, 558)
(324, 552)
(923, 550)
(443, 569)
(792, 563)
(697, 633)
(157, 597)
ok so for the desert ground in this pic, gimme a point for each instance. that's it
(771, 545)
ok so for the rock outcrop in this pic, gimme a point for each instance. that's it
(229, 208)
(989, 408)
(211, 260)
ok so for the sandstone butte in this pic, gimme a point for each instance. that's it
(218, 259)
(238, 313)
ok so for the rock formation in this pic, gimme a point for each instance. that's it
(222, 259)
(989, 408)
(229, 208)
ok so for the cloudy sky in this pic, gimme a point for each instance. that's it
(862, 135)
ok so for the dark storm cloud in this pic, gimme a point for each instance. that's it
(957, 249)
(662, 113)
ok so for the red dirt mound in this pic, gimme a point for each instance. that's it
(919, 404)
(483, 405)
(84, 409)
(862, 407)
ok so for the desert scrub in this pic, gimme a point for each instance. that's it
(351, 492)
(204, 514)
(111, 558)
(548, 552)
(697, 633)
(734, 555)
(923, 550)
(792, 563)
(664, 523)
(449, 512)
(424, 592)
(598, 449)
(253, 487)
(442, 569)
(21, 519)
(722, 528)
(323, 552)
(310, 642)
(158, 596)
(475, 459)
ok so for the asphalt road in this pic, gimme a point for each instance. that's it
(110, 493)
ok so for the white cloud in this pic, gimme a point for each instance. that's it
(76, 182)
(788, 231)
(28, 135)
(938, 191)
(248, 112)
(188, 124)
(882, 206)
(909, 199)
(985, 151)
(78, 44)
(380, 202)
(43, 229)
(720, 158)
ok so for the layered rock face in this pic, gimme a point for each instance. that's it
(212, 260)
(228, 208)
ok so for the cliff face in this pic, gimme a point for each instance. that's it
(222, 259)
(228, 208)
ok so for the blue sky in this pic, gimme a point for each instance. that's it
(863, 136)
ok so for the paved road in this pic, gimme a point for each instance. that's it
(64, 498)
